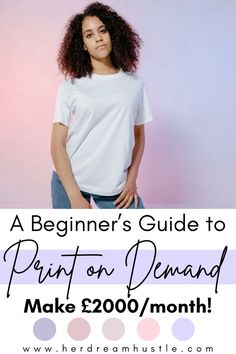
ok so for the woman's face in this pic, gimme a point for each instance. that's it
(96, 38)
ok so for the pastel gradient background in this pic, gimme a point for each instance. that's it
(188, 63)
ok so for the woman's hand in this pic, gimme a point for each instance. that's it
(127, 196)
(79, 203)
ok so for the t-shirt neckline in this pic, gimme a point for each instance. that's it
(108, 76)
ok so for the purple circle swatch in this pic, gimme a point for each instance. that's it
(113, 329)
(183, 329)
(148, 329)
(78, 329)
(44, 329)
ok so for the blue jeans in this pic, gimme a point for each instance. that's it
(60, 199)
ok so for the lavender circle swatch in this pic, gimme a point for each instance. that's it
(78, 329)
(44, 329)
(113, 329)
(148, 329)
(183, 329)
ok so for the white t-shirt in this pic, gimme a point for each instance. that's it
(101, 112)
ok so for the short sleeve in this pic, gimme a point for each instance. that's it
(62, 112)
(144, 114)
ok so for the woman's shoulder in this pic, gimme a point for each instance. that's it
(135, 77)
(66, 83)
(70, 83)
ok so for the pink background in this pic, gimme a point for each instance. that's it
(188, 63)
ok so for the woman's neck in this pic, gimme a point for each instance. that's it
(103, 67)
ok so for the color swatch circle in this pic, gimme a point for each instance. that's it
(78, 329)
(183, 329)
(113, 329)
(44, 329)
(148, 329)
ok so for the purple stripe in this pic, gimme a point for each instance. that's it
(116, 259)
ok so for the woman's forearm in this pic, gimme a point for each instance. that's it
(129, 193)
(137, 151)
(63, 168)
(61, 161)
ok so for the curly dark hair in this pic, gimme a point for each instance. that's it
(74, 61)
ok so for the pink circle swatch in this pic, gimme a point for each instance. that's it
(78, 329)
(148, 329)
(113, 329)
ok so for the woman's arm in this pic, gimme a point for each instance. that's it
(63, 166)
(130, 190)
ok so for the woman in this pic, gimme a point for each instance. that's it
(101, 108)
